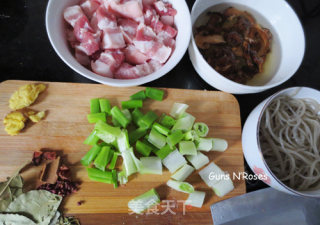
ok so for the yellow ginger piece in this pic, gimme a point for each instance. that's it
(14, 122)
(36, 117)
(25, 96)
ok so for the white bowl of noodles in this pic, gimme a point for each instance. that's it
(281, 141)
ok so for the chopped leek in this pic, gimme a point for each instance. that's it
(147, 120)
(94, 105)
(127, 114)
(178, 109)
(100, 176)
(184, 123)
(198, 160)
(113, 162)
(161, 129)
(151, 165)
(154, 149)
(123, 141)
(180, 186)
(191, 135)
(167, 121)
(122, 177)
(174, 138)
(183, 173)
(196, 199)
(219, 145)
(136, 161)
(106, 132)
(164, 151)
(223, 187)
(144, 201)
(174, 161)
(136, 135)
(132, 104)
(92, 139)
(90, 155)
(115, 122)
(201, 129)
(157, 139)
(129, 165)
(187, 148)
(154, 93)
(119, 116)
(114, 178)
(204, 144)
(211, 174)
(103, 158)
(136, 115)
(143, 148)
(141, 95)
(95, 117)
(105, 106)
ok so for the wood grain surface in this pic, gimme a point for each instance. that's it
(65, 128)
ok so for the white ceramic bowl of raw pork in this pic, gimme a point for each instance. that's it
(56, 29)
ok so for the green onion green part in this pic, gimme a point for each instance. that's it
(180, 186)
(161, 129)
(174, 138)
(127, 114)
(201, 129)
(90, 155)
(167, 121)
(140, 95)
(137, 134)
(95, 117)
(164, 151)
(187, 148)
(123, 141)
(143, 202)
(100, 176)
(105, 106)
(103, 158)
(143, 148)
(147, 120)
(92, 139)
(191, 135)
(113, 162)
(132, 104)
(136, 115)
(106, 132)
(154, 93)
(119, 116)
(114, 178)
(157, 139)
(94, 105)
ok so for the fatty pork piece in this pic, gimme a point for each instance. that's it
(127, 71)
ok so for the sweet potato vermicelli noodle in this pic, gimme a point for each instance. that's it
(290, 141)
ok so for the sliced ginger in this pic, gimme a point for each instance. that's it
(14, 122)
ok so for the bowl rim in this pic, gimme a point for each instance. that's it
(252, 87)
(126, 82)
(267, 103)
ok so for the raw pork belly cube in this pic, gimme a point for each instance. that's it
(105, 19)
(148, 2)
(129, 9)
(128, 28)
(164, 9)
(127, 71)
(71, 38)
(145, 33)
(108, 62)
(90, 42)
(134, 56)
(82, 26)
(113, 39)
(149, 14)
(89, 7)
(167, 20)
(94, 22)
(72, 14)
(154, 50)
(81, 57)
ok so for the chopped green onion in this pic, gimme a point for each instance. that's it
(157, 139)
(174, 138)
(191, 135)
(147, 120)
(164, 151)
(154, 93)
(127, 114)
(201, 129)
(92, 139)
(219, 144)
(211, 174)
(106, 132)
(143, 149)
(161, 129)
(167, 121)
(187, 148)
(178, 109)
(140, 95)
(123, 141)
(136, 115)
(100, 176)
(174, 161)
(154, 149)
(122, 177)
(115, 122)
(129, 165)
(184, 123)
(132, 104)
(198, 160)
(204, 144)
(119, 116)
(223, 187)
(144, 201)
(136, 161)
(183, 173)
(137, 134)
(95, 117)
(151, 165)
(94, 105)
(114, 178)
(113, 162)
(180, 186)
(90, 155)
(196, 199)
(103, 158)
(105, 106)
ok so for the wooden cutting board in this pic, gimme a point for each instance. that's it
(66, 127)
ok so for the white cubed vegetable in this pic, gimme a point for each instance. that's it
(196, 199)
(219, 144)
(183, 173)
(205, 144)
(180, 186)
(151, 165)
(211, 174)
(223, 187)
(198, 160)
(174, 161)
(178, 109)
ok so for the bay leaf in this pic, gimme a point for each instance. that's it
(10, 191)
(38, 205)
(15, 219)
